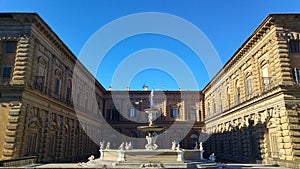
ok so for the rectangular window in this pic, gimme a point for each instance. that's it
(238, 96)
(57, 84)
(248, 87)
(115, 115)
(6, 73)
(294, 46)
(208, 110)
(108, 114)
(68, 95)
(296, 75)
(10, 47)
(193, 114)
(132, 113)
(174, 113)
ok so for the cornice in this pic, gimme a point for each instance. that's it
(34, 20)
(254, 38)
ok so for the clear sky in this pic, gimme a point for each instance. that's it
(227, 24)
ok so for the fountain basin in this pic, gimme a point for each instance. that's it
(151, 128)
(143, 155)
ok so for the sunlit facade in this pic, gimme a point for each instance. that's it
(250, 109)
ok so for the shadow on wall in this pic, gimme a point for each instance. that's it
(242, 144)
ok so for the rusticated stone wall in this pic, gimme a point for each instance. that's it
(257, 126)
(4, 109)
(37, 120)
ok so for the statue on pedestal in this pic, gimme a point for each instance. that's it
(151, 139)
(212, 157)
(122, 146)
(107, 146)
(173, 145)
(200, 147)
(101, 145)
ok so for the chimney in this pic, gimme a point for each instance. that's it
(127, 88)
(109, 88)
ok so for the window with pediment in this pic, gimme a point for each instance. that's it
(237, 92)
(228, 97)
(57, 82)
(266, 79)
(41, 77)
(69, 91)
(208, 108)
(248, 84)
(220, 103)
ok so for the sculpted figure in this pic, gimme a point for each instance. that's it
(101, 145)
(200, 147)
(122, 146)
(107, 146)
(174, 145)
(212, 157)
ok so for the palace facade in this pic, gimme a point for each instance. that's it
(252, 104)
(249, 112)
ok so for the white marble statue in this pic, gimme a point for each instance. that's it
(178, 147)
(122, 146)
(212, 157)
(196, 145)
(200, 146)
(128, 146)
(107, 146)
(91, 158)
(101, 145)
(173, 145)
(151, 141)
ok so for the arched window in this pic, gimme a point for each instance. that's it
(248, 84)
(208, 108)
(265, 74)
(220, 103)
(86, 104)
(228, 97)
(214, 106)
(57, 83)
(69, 91)
(57, 86)
(78, 96)
(238, 92)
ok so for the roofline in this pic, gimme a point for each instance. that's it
(261, 25)
(37, 16)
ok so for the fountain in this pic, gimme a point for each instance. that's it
(151, 128)
(127, 157)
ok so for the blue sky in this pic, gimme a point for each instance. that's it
(227, 24)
